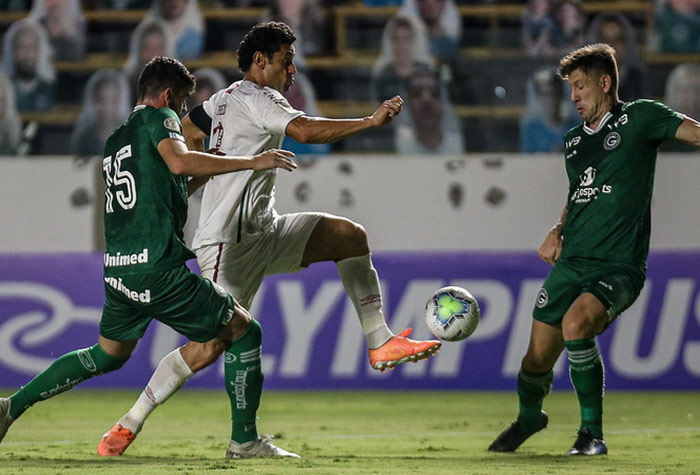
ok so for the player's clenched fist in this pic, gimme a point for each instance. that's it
(274, 158)
(388, 110)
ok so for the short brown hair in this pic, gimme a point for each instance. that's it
(596, 59)
(161, 73)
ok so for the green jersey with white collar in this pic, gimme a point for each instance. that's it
(611, 180)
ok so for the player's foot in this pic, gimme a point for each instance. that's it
(587, 444)
(511, 438)
(260, 447)
(115, 441)
(400, 349)
(5, 419)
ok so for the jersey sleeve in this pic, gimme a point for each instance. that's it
(163, 123)
(660, 121)
(274, 111)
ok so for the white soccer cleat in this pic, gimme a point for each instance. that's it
(260, 447)
(5, 419)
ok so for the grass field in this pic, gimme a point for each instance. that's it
(356, 432)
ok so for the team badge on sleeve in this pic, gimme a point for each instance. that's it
(171, 124)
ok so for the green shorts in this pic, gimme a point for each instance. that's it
(189, 304)
(616, 285)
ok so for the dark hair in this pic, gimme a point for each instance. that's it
(266, 38)
(592, 60)
(161, 73)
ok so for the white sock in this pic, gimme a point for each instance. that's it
(172, 372)
(361, 282)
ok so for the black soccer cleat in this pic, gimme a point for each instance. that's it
(587, 444)
(511, 438)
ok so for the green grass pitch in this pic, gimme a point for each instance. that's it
(356, 433)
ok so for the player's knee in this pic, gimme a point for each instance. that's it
(98, 361)
(575, 328)
(353, 238)
(537, 363)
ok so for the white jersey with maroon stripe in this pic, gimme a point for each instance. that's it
(246, 120)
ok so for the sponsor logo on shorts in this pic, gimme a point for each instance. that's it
(229, 358)
(612, 141)
(118, 285)
(542, 298)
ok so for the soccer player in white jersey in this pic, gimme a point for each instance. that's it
(241, 238)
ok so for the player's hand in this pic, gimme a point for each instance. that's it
(550, 250)
(387, 111)
(274, 158)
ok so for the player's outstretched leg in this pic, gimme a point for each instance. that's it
(532, 389)
(244, 383)
(172, 372)
(386, 350)
(5, 418)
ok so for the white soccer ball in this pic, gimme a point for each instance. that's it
(452, 313)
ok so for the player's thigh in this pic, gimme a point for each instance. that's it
(559, 290)
(292, 234)
(615, 286)
(237, 267)
(191, 305)
(122, 317)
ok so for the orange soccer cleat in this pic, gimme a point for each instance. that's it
(115, 442)
(400, 349)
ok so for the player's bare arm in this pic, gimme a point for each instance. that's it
(182, 161)
(306, 129)
(194, 136)
(550, 250)
(689, 131)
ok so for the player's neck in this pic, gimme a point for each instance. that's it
(605, 107)
(258, 79)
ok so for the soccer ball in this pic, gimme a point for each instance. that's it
(452, 313)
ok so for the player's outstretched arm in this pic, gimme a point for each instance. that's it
(689, 131)
(306, 129)
(182, 161)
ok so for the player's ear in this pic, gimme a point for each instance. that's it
(259, 59)
(605, 82)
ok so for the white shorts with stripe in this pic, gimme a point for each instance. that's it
(240, 267)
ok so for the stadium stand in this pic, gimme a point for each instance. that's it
(486, 82)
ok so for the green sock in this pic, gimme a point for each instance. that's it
(67, 371)
(244, 382)
(532, 389)
(588, 377)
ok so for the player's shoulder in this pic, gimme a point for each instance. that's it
(641, 106)
(261, 94)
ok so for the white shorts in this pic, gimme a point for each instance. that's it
(240, 267)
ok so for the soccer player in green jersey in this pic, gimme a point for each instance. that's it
(598, 248)
(145, 169)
